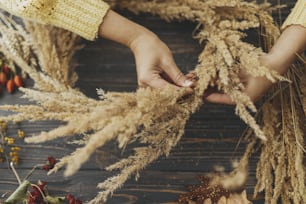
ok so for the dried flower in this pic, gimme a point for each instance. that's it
(50, 164)
(37, 195)
(71, 199)
(129, 117)
(21, 134)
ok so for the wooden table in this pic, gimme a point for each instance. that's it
(211, 134)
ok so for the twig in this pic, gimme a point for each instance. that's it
(31, 172)
(15, 172)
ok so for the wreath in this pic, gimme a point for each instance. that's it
(45, 54)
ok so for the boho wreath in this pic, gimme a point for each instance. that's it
(45, 54)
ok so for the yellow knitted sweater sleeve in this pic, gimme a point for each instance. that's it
(82, 17)
(297, 15)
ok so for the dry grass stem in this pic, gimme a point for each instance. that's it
(46, 53)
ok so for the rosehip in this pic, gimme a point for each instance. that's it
(10, 86)
(6, 69)
(3, 78)
(78, 201)
(18, 81)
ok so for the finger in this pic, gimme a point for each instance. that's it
(158, 82)
(177, 76)
(245, 197)
(234, 199)
(222, 200)
(191, 75)
(219, 98)
(207, 201)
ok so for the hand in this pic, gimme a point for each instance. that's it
(155, 64)
(154, 61)
(254, 87)
(282, 54)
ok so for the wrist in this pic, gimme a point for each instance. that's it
(140, 38)
(272, 62)
(120, 29)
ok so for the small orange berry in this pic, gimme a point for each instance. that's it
(3, 78)
(10, 86)
(18, 81)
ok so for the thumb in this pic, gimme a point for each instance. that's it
(177, 77)
(220, 99)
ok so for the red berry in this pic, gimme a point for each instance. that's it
(52, 161)
(50, 164)
(3, 78)
(6, 69)
(70, 199)
(46, 167)
(18, 81)
(10, 86)
(78, 201)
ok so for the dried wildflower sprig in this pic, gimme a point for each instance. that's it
(39, 193)
(152, 117)
(9, 151)
(40, 54)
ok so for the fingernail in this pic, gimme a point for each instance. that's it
(188, 83)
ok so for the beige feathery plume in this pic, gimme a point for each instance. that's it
(129, 117)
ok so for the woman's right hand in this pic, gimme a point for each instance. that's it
(154, 62)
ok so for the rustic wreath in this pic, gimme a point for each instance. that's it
(45, 53)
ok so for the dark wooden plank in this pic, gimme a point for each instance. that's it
(166, 188)
(210, 138)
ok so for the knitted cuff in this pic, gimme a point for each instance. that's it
(80, 16)
(297, 15)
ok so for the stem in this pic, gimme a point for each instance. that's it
(32, 171)
(15, 172)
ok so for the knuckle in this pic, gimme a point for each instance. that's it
(143, 79)
(178, 76)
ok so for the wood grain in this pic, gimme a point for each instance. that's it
(210, 139)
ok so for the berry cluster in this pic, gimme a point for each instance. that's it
(9, 80)
(8, 148)
(36, 196)
(40, 195)
(50, 164)
(71, 199)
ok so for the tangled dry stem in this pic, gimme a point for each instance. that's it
(128, 117)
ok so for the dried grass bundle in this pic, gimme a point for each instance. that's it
(281, 170)
(129, 117)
